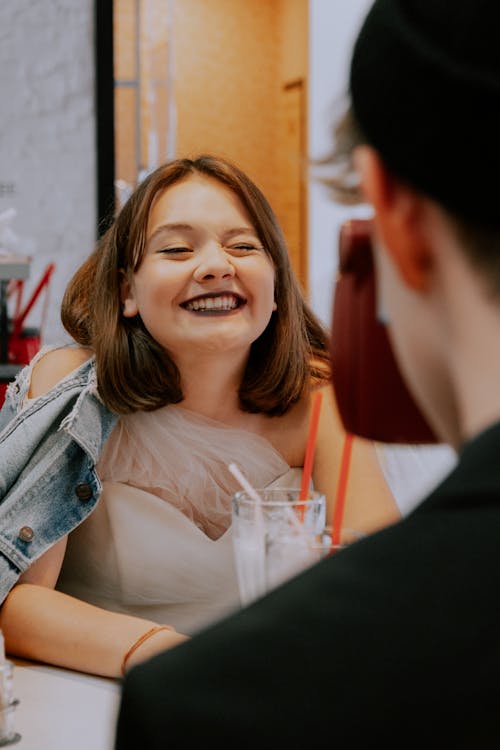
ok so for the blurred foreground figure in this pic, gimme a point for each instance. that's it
(397, 637)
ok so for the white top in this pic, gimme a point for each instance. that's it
(413, 471)
(159, 545)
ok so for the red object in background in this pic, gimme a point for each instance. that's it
(24, 342)
(373, 399)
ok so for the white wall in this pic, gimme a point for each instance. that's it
(410, 471)
(333, 25)
(47, 144)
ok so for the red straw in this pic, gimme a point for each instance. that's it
(310, 447)
(338, 511)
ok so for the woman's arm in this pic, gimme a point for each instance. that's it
(45, 625)
(369, 503)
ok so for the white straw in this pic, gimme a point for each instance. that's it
(251, 492)
(245, 483)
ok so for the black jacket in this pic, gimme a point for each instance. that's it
(395, 639)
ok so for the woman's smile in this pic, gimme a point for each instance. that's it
(215, 303)
(203, 261)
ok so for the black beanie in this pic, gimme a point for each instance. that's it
(425, 91)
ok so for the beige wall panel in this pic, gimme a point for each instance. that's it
(294, 46)
(125, 134)
(226, 72)
(124, 33)
(292, 194)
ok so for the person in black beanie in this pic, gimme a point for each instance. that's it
(395, 639)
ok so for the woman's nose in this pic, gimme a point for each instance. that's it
(213, 263)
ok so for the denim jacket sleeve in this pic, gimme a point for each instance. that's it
(48, 451)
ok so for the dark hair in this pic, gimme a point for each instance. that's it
(424, 88)
(480, 244)
(290, 354)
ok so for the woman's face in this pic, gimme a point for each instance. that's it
(205, 283)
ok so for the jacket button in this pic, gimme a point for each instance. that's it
(83, 492)
(26, 533)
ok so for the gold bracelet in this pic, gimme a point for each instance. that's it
(140, 641)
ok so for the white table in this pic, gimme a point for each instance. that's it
(63, 710)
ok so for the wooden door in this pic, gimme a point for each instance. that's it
(293, 177)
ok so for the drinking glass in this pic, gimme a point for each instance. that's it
(276, 538)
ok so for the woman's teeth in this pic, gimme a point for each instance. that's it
(225, 302)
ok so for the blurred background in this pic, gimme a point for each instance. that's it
(96, 93)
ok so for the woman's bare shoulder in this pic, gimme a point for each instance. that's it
(55, 365)
(289, 432)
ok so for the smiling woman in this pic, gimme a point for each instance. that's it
(205, 283)
(293, 344)
(195, 349)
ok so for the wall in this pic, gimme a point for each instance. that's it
(47, 147)
(291, 202)
(226, 83)
(333, 25)
(293, 28)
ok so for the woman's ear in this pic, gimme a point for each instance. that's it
(399, 217)
(129, 305)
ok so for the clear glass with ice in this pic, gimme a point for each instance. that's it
(274, 539)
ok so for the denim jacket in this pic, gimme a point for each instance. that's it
(49, 447)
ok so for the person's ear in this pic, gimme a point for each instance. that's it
(127, 297)
(398, 217)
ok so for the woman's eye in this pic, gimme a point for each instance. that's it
(245, 246)
(175, 250)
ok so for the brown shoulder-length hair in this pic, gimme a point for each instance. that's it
(133, 371)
